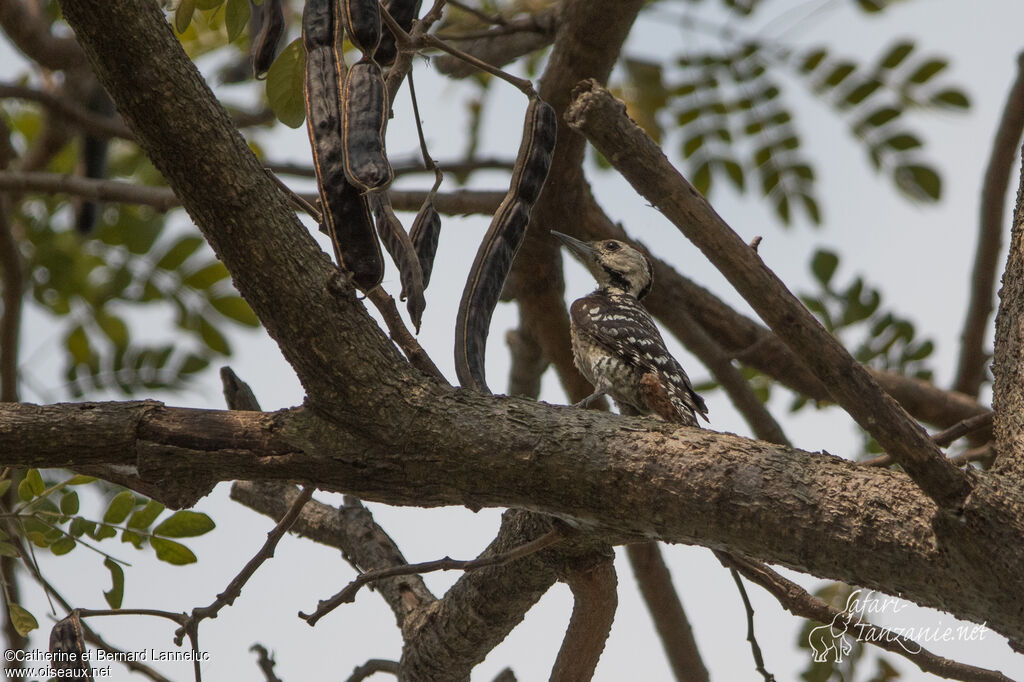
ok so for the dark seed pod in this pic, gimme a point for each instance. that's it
(346, 215)
(362, 24)
(404, 12)
(365, 112)
(67, 644)
(425, 232)
(494, 257)
(267, 29)
(403, 253)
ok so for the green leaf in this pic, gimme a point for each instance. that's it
(63, 546)
(80, 527)
(119, 507)
(212, 337)
(36, 481)
(132, 537)
(839, 74)
(823, 265)
(880, 117)
(284, 85)
(236, 16)
(896, 54)
(235, 308)
(181, 250)
(69, 504)
(926, 71)
(115, 595)
(80, 479)
(702, 178)
(183, 16)
(23, 621)
(193, 364)
(902, 142)
(735, 173)
(952, 99)
(862, 92)
(692, 145)
(185, 524)
(811, 206)
(172, 552)
(7, 549)
(206, 276)
(103, 532)
(37, 538)
(142, 518)
(208, 4)
(114, 327)
(812, 60)
(78, 345)
(782, 208)
(919, 182)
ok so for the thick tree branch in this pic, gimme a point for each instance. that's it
(637, 478)
(593, 610)
(971, 369)
(31, 34)
(655, 582)
(603, 119)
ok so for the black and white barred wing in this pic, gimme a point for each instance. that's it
(623, 326)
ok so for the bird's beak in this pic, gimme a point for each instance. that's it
(582, 249)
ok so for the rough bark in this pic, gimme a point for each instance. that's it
(630, 478)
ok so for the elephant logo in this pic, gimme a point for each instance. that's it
(831, 639)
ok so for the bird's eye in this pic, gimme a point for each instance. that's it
(612, 246)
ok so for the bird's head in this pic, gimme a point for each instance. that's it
(615, 265)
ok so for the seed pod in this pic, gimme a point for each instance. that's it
(362, 24)
(365, 112)
(425, 232)
(494, 257)
(398, 244)
(67, 644)
(404, 12)
(345, 212)
(266, 31)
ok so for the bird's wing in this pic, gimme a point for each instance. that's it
(623, 326)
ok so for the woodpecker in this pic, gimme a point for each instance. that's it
(615, 342)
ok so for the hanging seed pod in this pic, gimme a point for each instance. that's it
(266, 29)
(346, 214)
(365, 112)
(494, 257)
(403, 253)
(425, 233)
(404, 12)
(362, 24)
(67, 646)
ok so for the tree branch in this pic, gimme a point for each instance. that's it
(655, 582)
(28, 31)
(593, 610)
(971, 369)
(602, 118)
(635, 478)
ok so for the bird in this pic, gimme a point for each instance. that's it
(615, 343)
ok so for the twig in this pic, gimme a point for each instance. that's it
(418, 357)
(266, 663)
(13, 285)
(603, 119)
(593, 610)
(428, 161)
(942, 438)
(446, 564)
(94, 124)
(755, 648)
(799, 602)
(666, 609)
(971, 367)
(523, 84)
(297, 200)
(374, 665)
(408, 166)
(234, 588)
(406, 44)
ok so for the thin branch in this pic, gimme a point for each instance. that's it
(458, 202)
(401, 335)
(523, 84)
(81, 117)
(943, 438)
(348, 594)
(234, 588)
(755, 648)
(12, 286)
(976, 330)
(603, 119)
(27, 30)
(799, 602)
(666, 609)
(372, 666)
(408, 166)
(266, 663)
(593, 611)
